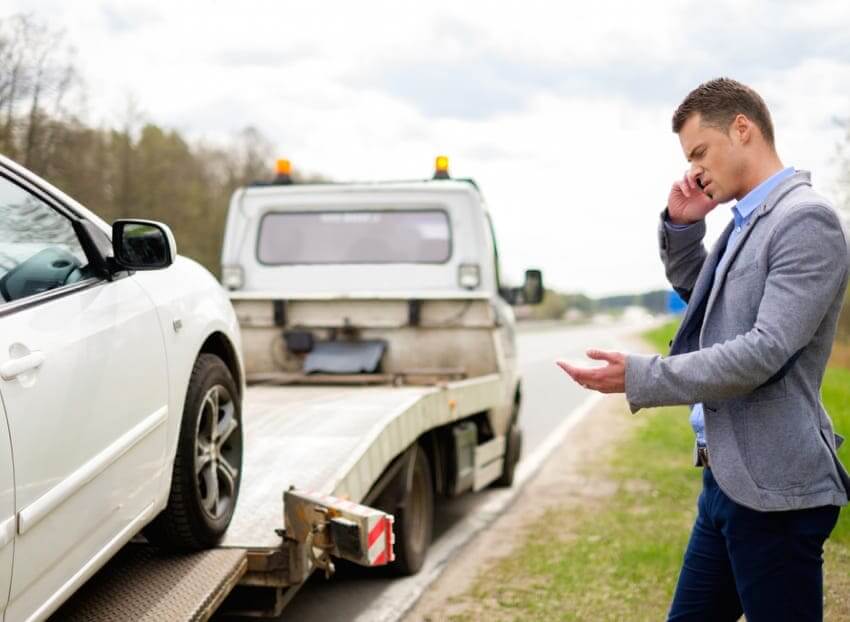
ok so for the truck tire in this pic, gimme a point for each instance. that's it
(513, 451)
(208, 464)
(414, 517)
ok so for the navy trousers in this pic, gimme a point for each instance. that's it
(767, 565)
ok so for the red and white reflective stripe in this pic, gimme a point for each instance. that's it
(377, 525)
(380, 542)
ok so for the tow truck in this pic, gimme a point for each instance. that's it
(381, 368)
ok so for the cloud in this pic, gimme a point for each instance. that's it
(129, 17)
(241, 57)
(463, 91)
(561, 111)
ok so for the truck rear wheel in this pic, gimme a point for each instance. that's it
(414, 516)
(208, 464)
(513, 451)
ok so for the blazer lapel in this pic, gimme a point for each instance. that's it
(702, 289)
(729, 256)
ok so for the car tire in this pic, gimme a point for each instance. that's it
(208, 464)
(414, 516)
(513, 452)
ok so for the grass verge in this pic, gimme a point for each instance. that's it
(621, 559)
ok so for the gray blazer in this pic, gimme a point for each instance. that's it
(753, 346)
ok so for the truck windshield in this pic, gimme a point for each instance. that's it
(344, 237)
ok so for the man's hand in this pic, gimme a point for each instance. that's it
(610, 378)
(687, 202)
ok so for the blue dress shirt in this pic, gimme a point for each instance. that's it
(741, 213)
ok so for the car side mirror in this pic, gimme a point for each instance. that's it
(143, 245)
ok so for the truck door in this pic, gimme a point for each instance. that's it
(85, 388)
(7, 511)
(504, 311)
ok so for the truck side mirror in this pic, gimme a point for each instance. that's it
(142, 245)
(531, 292)
(532, 289)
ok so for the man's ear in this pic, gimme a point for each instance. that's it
(742, 127)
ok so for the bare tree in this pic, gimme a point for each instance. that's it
(37, 73)
(253, 155)
(136, 170)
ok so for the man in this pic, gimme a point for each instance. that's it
(749, 356)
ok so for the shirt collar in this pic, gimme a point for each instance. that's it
(744, 208)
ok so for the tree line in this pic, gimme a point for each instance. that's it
(137, 170)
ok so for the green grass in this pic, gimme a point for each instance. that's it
(661, 337)
(617, 557)
(836, 399)
(620, 558)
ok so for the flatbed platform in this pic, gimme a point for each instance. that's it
(333, 440)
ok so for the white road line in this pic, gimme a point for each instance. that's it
(402, 594)
(531, 464)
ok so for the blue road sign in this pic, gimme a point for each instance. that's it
(675, 303)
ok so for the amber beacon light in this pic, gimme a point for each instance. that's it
(441, 167)
(283, 172)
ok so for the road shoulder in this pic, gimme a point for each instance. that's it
(564, 483)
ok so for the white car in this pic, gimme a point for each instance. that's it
(121, 384)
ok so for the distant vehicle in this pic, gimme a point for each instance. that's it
(122, 382)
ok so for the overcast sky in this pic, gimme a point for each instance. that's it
(560, 110)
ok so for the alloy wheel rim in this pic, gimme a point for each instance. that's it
(217, 452)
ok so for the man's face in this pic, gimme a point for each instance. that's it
(716, 158)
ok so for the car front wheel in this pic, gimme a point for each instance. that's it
(208, 464)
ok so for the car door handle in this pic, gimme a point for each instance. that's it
(14, 368)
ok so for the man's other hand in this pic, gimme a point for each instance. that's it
(610, 378)
(687, 203)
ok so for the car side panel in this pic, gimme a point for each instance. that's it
(191, 306)
(88, 430)
(7, 511)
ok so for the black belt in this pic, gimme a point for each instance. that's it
(702, 456)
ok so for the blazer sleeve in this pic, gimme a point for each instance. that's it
(682, 252)
(807, 265)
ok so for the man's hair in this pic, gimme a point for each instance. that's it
(719, 101)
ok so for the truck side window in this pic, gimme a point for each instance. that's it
(39, 249)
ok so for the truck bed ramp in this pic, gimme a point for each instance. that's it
(334, 441)
(145, 584)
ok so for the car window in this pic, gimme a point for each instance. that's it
(39, 249)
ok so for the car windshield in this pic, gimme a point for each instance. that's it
(363, 236)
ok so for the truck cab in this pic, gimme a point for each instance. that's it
(413, 256)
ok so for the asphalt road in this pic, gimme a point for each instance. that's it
(548, 398)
